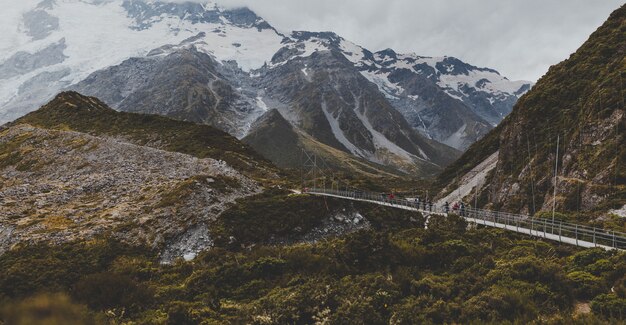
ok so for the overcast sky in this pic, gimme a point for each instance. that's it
(520, 38)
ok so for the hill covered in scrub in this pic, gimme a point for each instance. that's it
(75, 112)
(578, 104)
(76, 169)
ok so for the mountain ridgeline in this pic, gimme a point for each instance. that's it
(71, 111)
(227, 67)
(579, 106)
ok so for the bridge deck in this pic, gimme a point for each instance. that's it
(578, 235)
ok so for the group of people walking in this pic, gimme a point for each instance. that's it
(456, 207)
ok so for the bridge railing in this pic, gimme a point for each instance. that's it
(580, 235)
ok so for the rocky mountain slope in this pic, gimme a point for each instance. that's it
(578, 104)
(186, 84)
(75, 169)
(326, 98)
(442, 97)
(206, 64)
(275, 138)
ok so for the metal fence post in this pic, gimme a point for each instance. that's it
(594, 237)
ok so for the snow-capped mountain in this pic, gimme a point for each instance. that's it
(442, 97)
(68, 40)
(226, 67)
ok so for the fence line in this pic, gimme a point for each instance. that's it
(565, 232)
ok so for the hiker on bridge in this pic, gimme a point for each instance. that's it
(446, 207)
(462, 210)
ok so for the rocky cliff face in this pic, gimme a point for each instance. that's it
(185, 84)
(579, 103)
(443, 98)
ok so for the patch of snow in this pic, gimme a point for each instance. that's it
(13, 35)
(497, 84)
(430, 61)
(381, 79)
(351, 51)
(424, 126)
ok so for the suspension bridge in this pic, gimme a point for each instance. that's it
(556, 230)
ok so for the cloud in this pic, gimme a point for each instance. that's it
(521, 39)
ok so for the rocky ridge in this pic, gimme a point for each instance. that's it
(61, 185)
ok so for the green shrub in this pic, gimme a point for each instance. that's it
(589, 256)
(586, 285)
(609, 306)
